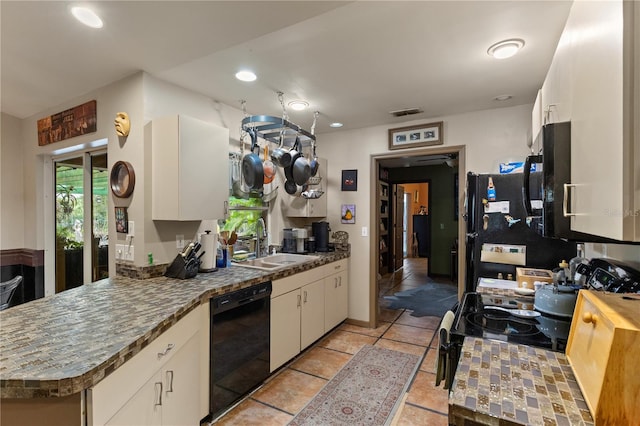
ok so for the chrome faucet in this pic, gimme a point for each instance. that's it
(261, 232)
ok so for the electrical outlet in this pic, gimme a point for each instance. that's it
(442, 226)
(119, 252)
(180, 242)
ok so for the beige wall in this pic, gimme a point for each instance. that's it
(11, 183)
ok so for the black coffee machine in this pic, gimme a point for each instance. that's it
(320, 231)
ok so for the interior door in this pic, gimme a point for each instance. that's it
(398, 226)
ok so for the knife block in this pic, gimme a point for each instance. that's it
(181, 269)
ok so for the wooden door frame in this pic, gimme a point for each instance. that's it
(374, 213)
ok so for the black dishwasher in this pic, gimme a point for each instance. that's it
(239, 345)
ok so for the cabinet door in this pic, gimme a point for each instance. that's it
(598, 163)
(144, 408)
(336, 300)
(312, 316)
(190, 169)
(555, 95)
(285, 328)
(181, 392)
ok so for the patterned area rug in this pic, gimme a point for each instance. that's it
(432, 299)
(366, 391)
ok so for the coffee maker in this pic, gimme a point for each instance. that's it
(294, 240)
(320, 231)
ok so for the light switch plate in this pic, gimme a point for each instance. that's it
(128, 253)
(365, 231)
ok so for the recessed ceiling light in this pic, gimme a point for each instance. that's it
(298, 105)
(336, 124)
(246, 75)
(502, 98)
(87, 16)
(505, 48)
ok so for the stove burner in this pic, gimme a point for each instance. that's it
(500, 322)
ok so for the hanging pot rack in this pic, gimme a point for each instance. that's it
(270, 128)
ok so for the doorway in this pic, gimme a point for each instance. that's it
(452, 157)
(81, 225)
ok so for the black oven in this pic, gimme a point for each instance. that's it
(239, 345)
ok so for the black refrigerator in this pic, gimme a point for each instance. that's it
(497, 220)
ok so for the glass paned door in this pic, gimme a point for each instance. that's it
(81, 220)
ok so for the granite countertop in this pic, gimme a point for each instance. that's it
(500, 383)
(65, 343)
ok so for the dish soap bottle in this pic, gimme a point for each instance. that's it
(491, 190)
(563, 272)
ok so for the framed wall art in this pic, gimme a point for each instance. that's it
(349, 180)
(415, 136)
(348, 213)
(122, 220)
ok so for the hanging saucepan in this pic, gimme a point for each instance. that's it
(268, 166)
(252, 169)
(300, 169)
(281, 156)
(314, 161)
(293, 189)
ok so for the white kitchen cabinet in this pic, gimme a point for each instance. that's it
(285, 328)
(557, 89)
(312, 207)
(190, 169)
(336, 295)
(164, 384)
(605, 122)
(299, 309)
(169, 397)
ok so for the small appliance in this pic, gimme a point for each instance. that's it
(320, 232)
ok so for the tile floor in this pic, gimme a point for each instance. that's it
(285, 394)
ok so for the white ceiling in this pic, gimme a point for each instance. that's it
(352, 61)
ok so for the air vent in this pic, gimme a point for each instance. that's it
(406, 111)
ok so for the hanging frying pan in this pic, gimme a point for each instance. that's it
(300, 169)
(252, 169)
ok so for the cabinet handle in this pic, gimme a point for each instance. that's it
(305, 296)
(158, 394)
(299, 300)
(166, 351)
(335, 282)
(339, 281)
(336, 267)
(565, 200)
(170, 380)
(588, 317)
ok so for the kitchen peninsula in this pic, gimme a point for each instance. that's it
(55, 349)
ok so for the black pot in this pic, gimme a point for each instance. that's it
(252, 169)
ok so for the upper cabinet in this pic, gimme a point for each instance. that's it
(593, 82)
(190, 169)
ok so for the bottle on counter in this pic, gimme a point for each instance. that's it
(573, 264)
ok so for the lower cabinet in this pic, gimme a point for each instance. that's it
(304, 307)
(164, 384)
(336, 299)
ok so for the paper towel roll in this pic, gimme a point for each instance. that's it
(209, 243)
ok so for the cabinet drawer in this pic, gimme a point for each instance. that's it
(589, 347)
(294, 282)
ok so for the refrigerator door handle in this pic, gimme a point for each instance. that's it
(526, 194)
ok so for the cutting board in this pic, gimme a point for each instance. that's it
(496, 283)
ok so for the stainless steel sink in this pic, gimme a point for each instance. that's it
(276, 261)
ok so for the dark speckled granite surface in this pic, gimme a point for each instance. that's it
(63, 344)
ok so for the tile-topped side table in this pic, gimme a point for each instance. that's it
(500, 383)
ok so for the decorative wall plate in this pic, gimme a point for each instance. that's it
(123, 179)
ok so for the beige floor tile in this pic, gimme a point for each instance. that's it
(424, 393)
(429, 363)
(321, 362)
(374, 332)
(345, 341)
(401, 347)
(251, 412)
(290, 391)
(416, 416)
(409, 334)
(431, 323)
